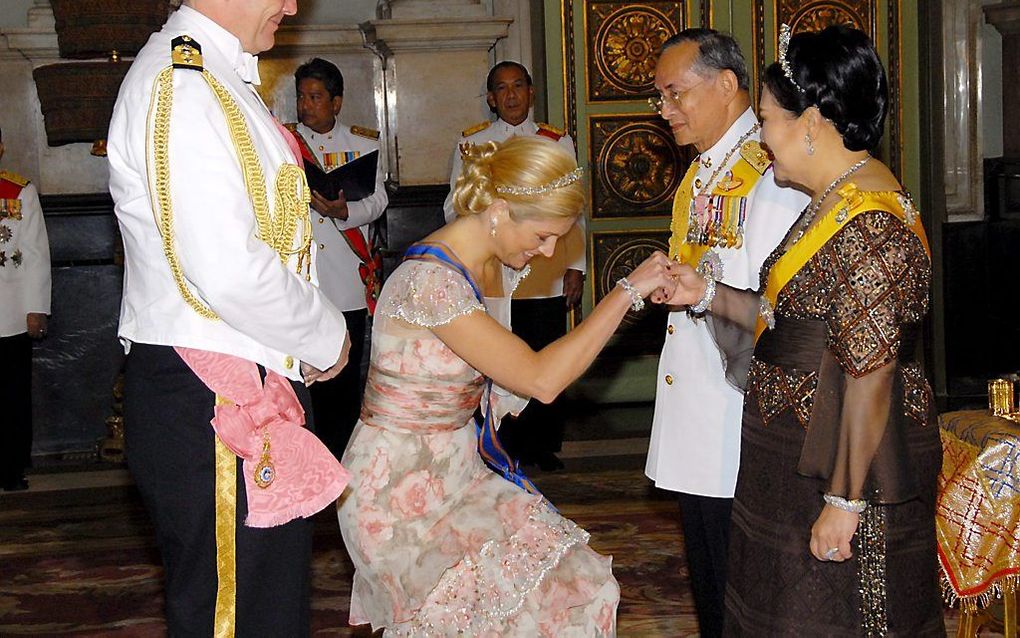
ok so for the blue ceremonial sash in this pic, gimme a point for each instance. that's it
(489, 447)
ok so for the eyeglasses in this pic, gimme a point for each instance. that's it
(673, 98)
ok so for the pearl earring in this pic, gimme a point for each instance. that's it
(810, 144)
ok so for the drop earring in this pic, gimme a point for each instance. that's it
(492, 227)
(810, 144)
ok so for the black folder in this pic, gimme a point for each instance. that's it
(356, 178)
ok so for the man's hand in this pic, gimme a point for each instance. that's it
(36, 323)
(573, 286)
(335, 208)
(311, 374)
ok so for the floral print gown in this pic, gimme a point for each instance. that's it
(442, 545)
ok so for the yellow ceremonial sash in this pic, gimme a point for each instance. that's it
(852, 202)
(729, 196)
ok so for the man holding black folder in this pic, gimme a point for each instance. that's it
(348, 194)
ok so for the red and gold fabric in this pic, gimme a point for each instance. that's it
(977, 515)
(11, 186)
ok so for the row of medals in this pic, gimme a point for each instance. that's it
(709, 225)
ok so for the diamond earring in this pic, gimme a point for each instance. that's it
(492, 227)
(810, 144)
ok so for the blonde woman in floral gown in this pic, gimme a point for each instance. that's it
(442, 545)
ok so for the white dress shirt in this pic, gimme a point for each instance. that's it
(24, 265)
(695, 441)
(546, 278)
(268, 313)
(337, 263)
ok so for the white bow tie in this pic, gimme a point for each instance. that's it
(248, 68)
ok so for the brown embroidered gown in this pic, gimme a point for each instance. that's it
(836, 402)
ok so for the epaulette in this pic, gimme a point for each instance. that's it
(361, 131)
(477, 128)
(756, 156)
(291, 126)
(14, 178)
(185, 53)
(550, 131)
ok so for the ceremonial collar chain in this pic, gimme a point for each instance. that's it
(726, 159)
(812, 210)
(559, 182)
(784, 61)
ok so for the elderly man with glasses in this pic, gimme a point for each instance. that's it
(728, 215)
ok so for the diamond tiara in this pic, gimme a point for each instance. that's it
(559, 182)
(784, 45)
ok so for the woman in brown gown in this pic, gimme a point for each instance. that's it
(833, 520)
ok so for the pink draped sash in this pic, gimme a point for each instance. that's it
(306, 476)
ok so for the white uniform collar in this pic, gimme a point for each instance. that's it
(330, 134)
(527, 127)
(245, 64)
(740, 126)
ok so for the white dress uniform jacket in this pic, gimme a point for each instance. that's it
(499, 131)
(269, 314)
(695, 441)
(24, 264)
(337, 264)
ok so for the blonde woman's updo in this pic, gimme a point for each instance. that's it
(520, 164)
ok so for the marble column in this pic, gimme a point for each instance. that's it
(435, 57)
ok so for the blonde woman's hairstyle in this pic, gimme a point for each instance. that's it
(537, 177)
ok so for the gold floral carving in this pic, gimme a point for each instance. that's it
(623, 41)
(804, 15)
(637, 166)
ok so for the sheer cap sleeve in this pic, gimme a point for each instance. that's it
(427, 294)
(856, 440)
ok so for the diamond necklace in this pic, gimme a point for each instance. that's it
(811, 210)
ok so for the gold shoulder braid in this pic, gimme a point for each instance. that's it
(276, 228)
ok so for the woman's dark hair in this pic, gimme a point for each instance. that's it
(323, 71)
(840, 72)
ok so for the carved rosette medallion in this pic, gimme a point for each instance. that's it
(623, 40)
(815, 16)
(616, 254)
(638, 166)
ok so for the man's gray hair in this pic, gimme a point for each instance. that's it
(716, 52)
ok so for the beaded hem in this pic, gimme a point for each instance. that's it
(483, 591)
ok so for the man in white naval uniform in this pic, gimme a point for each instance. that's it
(203, 178)
(554, 285)
(345, 260)
(24, 309)
(728, 215)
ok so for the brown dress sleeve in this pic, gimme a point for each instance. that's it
(856, 438)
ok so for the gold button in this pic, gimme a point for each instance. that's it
(697, 183)
(288, 362)
(322, 219)
(669, 328)
(669, 379)
(322, 246)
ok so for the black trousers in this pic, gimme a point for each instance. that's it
(171, 454)
(705, 522)
(539, 428)
(16, 413)
(337, 402)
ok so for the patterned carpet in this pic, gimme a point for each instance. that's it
(83, 562)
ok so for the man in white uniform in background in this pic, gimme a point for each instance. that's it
(554, 285)
(728, 215)
(346, 263)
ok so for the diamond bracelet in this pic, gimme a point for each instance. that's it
(706, 300)
(637, 302)
(854, 506)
